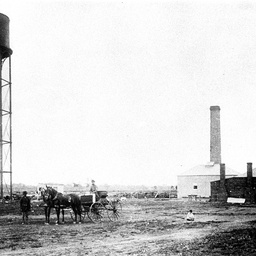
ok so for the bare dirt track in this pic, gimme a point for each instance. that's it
(146, 227)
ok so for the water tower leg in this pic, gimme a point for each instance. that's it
(1, 139)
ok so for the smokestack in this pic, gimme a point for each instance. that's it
(250, 195)
(249, 174)
(223, 192)
(222, 174)
(215, 142)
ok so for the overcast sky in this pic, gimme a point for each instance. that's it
(120, 91)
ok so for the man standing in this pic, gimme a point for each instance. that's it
(25, 207)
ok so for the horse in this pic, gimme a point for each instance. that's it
(57, 200)
(48, 205)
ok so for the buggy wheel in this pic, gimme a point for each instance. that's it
(114, 209)
(96, 212)
(72, 214)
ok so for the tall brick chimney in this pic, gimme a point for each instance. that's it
(215, 142)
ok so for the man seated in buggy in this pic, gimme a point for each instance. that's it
(94, 190)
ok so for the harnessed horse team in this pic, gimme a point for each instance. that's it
(53, 199)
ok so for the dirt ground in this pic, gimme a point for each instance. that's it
(146, 227)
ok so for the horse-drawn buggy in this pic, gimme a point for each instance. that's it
(95, 205)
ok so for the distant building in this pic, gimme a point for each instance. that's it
(197, 181)
(243, 186)
(56, 186)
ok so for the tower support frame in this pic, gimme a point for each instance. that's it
(5, 128)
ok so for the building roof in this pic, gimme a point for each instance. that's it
(208, 170)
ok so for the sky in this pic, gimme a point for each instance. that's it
(120, 91)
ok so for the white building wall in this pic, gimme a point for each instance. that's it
(186, 185)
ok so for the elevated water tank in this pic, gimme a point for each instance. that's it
(4, 36)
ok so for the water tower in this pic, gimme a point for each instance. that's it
(5, 109)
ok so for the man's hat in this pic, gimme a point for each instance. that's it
(93, 180)
(25, 192)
